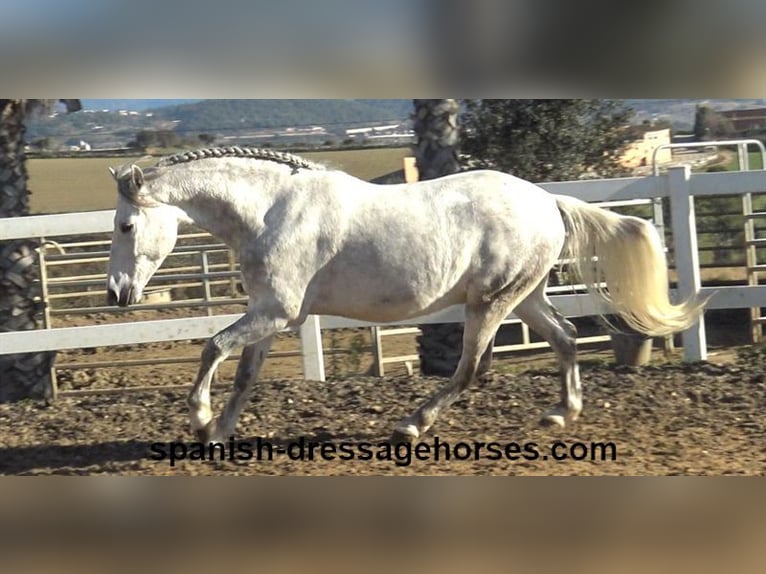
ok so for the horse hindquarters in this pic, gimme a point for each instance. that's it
(485, 311)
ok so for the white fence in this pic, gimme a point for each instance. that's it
(679, 185)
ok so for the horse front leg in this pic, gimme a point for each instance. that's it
(249, 366)
(252, 328)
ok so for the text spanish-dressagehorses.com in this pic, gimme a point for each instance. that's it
(401, 454)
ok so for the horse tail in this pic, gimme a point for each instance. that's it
(625, 253)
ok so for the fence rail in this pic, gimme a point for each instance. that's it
(679, 186)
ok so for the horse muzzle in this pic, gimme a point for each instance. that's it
(122, 292)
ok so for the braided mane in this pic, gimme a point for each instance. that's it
(246, 152)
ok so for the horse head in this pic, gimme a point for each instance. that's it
(145, 232)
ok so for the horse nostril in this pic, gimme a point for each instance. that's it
(126, 297)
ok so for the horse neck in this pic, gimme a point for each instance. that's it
(228, 204)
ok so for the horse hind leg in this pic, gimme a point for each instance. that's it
(543, 318)
(481, 324)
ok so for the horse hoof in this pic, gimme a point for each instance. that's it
(208, 433)
(553, 421)
(406, 435)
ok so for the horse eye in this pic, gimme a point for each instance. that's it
(126, 227)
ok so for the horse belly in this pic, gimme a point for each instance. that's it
(383, 298)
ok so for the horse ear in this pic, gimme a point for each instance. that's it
(136, 176)
(130, 184)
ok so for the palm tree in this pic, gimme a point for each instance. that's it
(25, 375)
(437, 132)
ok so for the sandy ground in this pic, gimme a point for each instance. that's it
(657, 420)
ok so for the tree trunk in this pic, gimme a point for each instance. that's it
(25, 375)
(436, 129)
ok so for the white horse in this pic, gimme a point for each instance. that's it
(317, 241)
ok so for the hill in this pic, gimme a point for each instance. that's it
(680, 113)
(283, 122)
(228, 118)
(235, 115)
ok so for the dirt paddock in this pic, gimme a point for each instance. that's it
(668, 418)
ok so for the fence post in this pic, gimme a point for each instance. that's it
(377, 351)
(311, 349)
(208, 294)
(47, 311)
(686, 255)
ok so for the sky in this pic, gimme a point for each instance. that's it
(130, 104)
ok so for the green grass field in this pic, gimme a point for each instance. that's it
(754, 159)
(62, 185)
